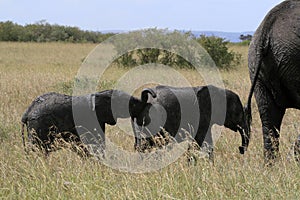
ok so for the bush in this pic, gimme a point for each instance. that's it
(166, 43)
(10, 31)
(217, 48)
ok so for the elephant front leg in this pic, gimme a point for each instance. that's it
(271, 117)
(205, 141)
(137, 135)
(208, 145)
(94, 139)
(102, 139)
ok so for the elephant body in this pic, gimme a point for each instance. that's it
(192, 109)
(47, 116)
(274, 67)
(69, 117)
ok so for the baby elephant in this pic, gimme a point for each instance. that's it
(193, 109)
(75, 118)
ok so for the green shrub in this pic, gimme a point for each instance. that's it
(127, 60)
(217, 48)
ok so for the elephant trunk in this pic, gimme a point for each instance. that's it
(245, 135)
(137, 106)
(145, 92)
(248, 121)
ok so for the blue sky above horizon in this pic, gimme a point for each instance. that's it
(98, 15)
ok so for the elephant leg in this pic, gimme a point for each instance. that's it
(271, 117)
(93, 139)
(204, 140)
(102, 139)
(137, 136)
(78, 146)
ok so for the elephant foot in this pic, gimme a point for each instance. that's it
(81, 150)
(144, 145)
(271, 157)
(139, 148)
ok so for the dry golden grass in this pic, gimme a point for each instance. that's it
(29, 69)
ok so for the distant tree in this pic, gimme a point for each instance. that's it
(246, 37)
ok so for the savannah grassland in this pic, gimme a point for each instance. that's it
(30, 69)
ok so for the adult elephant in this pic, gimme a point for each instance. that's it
(274, 66)
(72, 118)
(192, 109)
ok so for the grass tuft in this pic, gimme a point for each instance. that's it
(28, 70)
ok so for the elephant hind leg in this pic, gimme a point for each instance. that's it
(271, 116)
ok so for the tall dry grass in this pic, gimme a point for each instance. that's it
(29, 69)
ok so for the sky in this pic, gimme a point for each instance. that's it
(103, 15)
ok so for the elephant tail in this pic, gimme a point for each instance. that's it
(24, 121)
(145, 92)
(22, 133)
(247, 109)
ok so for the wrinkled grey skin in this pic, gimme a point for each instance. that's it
(190, 109)
(274, 66)
(71, 116)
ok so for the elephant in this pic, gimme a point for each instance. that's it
(274, 68)
(176, 110)
(76, 118)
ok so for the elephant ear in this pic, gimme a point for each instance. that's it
(205, 94)
(214, 99)
(101, 102)
(204, 101)
(92, 102)
(202, 93)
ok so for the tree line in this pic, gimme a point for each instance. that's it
(42, 31)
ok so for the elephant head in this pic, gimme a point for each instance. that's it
(112, 104)
(142, 115)
(236, 119)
